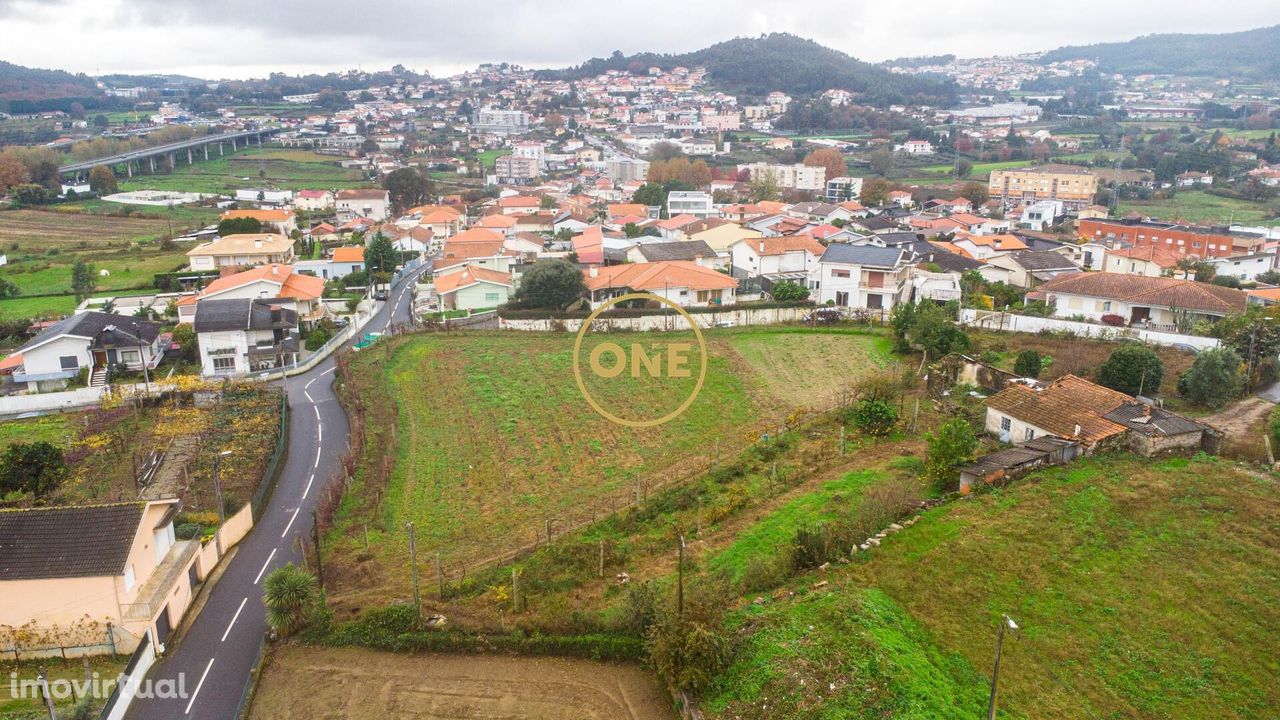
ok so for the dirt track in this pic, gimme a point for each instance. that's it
(1243, 417)
(358, 684)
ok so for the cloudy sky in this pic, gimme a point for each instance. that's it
(249, 38)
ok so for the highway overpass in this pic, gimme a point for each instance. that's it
(170, 152)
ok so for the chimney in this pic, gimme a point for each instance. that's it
(595, 271)
(257, 243)
(1077, 432)
(1146, 410)
(761, 247)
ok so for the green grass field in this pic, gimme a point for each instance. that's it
(1201, 207)
(37, 308)
(286, 168)
(489, 158)
(49, 428)
(1143, 589)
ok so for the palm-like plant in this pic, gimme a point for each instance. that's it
(288, 594)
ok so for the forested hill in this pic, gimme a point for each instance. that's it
(1249, 55)
(24, 89)
(755, 67)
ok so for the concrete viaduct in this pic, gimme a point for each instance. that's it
(171, 152)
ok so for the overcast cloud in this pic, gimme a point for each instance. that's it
(249, 38)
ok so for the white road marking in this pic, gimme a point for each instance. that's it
(295, 517)
(326, 372)
(309, 384)
(308, 488)
(309, 398)
(317, 462)
(264, 566)
(233, 620)
(198, 686)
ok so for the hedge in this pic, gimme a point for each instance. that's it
(514, 313)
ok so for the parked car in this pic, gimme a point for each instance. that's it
(823, 316)
(380, 296)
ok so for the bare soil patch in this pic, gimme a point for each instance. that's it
(360, 684)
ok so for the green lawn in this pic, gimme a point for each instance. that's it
(489, 158)
(129, 269)
(37, 308)
(1143, 589)
(49, 428)
(1201, 207)
(286, 168)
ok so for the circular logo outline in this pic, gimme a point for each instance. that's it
(577, 365)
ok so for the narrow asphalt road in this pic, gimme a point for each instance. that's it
(215, 657)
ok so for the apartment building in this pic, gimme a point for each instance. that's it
(1073, 186)
(790, 177)
(1193, 240)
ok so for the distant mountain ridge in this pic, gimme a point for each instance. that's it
(779, 61)
(1250, 54)
(24, 89)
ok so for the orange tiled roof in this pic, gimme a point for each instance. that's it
(1157, 254)
(259, 215)
(786, 244)
(656, 275)
(470, 275)
(617, 210)
(1063, 405)
(1160, 291)
(292, 284)
(349, 253)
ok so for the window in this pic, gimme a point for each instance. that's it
(1106, 306)
(1031, 434)
(842, 299)
(69, 362)
(224, 364)
(839, 273)
(1005, 424)
(491, 297)
(130, 356)
(129, 579)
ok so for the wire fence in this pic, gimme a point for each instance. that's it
(276, 462)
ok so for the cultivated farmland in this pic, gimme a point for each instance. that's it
(283, 167)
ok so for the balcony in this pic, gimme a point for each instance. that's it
(154, 593)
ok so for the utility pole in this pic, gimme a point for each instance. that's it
(413, 568)
(1005, 620)
(680, 581)
(217, 492)
(315, 540)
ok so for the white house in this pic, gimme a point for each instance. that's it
(1157, 303)
(792, 257)
(915, 147)
(690, 202)
(1244, 267)
(684, 283)
(241, 251)
(295, 290)
(313, 200)
(861, 276)
(91, 339)
(239, 335)
(372, 204)
(472, 287)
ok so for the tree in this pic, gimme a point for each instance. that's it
(1270, 277)
(289, 594)
(100, 121)
(407, 188)
(764, 187)
(1214, 378)
(950, 447)
(1133, 370)
(380, 255)
(1028, 364)
(184, 335)
(83, 280)
(37, 468)
(881, 161)
(665, 151)
(875, 416)
(29, 194)
(8, 289)
(903, 320)
(936, 333)
(551, 284)
(12, 171)
(632, 230)
(239, 226)
(546, 202)
(102, 181)
(650, 194)
(829, 158)
(964, 167)
(975, 193)
(790, 291)
(875, 191)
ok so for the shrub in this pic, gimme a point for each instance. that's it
(1214, 378)
(691, 649)
(950, 447)
(37, 468)
(874, 416)
(289, 593)
(1113, 320)
(1132, 369)
(1028, 364)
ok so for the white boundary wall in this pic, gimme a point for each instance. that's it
(741, 317)
(990, 320)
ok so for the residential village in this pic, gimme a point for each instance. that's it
(998, 276)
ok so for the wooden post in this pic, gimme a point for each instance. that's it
(413, 565)
(1271, 458)
(841, 440)
(439, 578)
(315, 539)
(600, 571)
(548, 531)
(680, 580)
(915, 416)
(515, 590)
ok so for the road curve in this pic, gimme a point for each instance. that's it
(215, 657)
